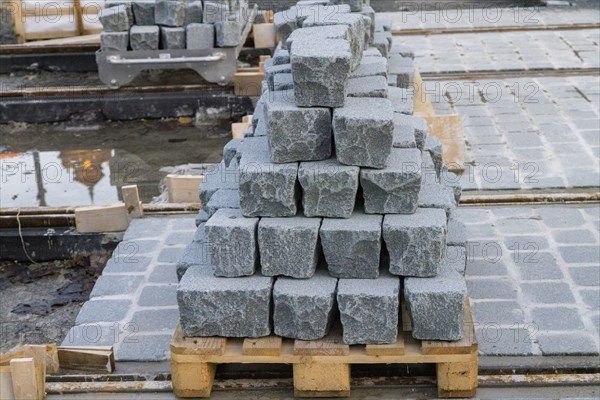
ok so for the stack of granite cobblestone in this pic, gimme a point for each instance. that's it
(335, 205)
(171, 24)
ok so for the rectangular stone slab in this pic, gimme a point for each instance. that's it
(328, 188)
(289, 246)
(416, 242)
(229, 307)
(304, 308)
(116, 19)
(395, 188)
(232, 242)
(369, 309)
(437, 305)
(352, 247)
(144, 37)
(363, 131)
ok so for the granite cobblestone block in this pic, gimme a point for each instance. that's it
(402, 100)
(419, 124)
(193, 12)
(435, 195)
(143, 12)
(200, 36)
(116, 19)
(367, 86)
(371, 66)
(172, 38)
(114, 41)
(170, 12)
(220, 177)
(144, 37)
(403, 68)
(228, 33)
(223, 198)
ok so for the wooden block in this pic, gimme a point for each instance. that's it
(248, 83)
(197, 345)
(238, 130)
(38, 354)
(25, 379)
(18, 20)
(264, 36)
(457, 379)
(394, 349)
(449, 129)
(6, 390)
(183, 188)
(112, 218)
(191, 379)
(264, 346)
(321, 380)
(247, 119)
(132, 201)
(330, 345)
(84, 358)
(52, 362)
(421, 104)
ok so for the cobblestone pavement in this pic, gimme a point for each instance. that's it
(447, 16)
(526, 133)
(133, 306)
(533, 279)
(493, 51)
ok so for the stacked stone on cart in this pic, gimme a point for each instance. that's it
(344, 206)
(171, 24)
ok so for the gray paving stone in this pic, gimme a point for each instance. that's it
(196, 253)
(289, 246)
(434, 147)
(548, 293)
(116, 41)
(561, 217)
(403, 68)
(170, 12)
(281, 56)
(457, 233)
(116, 19)
(297, 133)
(154, 347)
(434, 195)
(537, 266)
(369, 309)
(193, 12)
(571, 344)
(110, 285)
(172, 38)
(200, 36)
(402, 100)
(320, 71)
(143, 12)
(134, 247)
(395, 188)
(367, 86)
(371, 66)
(102, 311)
(456, 258)
(507, 341)
(179, 238)
(557, 319)
(352, 247)
(223, 198)
(232, 243)
(304, 309)
(227, 33)
(573, 236)
(127, 263)
(317, 33)
(230, 151)
(436, 305)
(170, 254)
(507, 313)
(580, 254)
(419, 124)
(163, 273)
(381, 43)
(216, 11)
(230, 307)
(491, 288)
(328, 188)
(585, 276)
(363, 132)
(404, 135)
(416, 242)
(267, 189)
(220, 177)
(158, 295)
(92, 334)
(144, 37)
(402, 50)
(270, 74)
(591, 298)
(453, 181)
(486, 267)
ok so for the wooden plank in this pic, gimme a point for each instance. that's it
(38, 354)
(192, 379)
(238, 130)
(457, 380)
(52, 362)
(197, 345)
(25, 381)
(183, 188)
(462, 346)
(77, 12)
(394, 349)
(18, 21)
(449, 129)
(421, 104)
(330, 345)
(248, 83)
(247, 119)
(132, 201)
(265, 346)
(111, 218)
(93, 39)
(6, 390)
(51, 10)
(87, 358)
(321, 380)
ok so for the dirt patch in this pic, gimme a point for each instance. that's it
(39, 302)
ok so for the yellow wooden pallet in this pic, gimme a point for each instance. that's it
(321, 368)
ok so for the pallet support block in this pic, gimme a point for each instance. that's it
(456, 380)
(192, 379)
(321, 380)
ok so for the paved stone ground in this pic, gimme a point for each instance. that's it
(133, 306)
(448, 17)
(526, 133)
(522, 50)
(533, 276)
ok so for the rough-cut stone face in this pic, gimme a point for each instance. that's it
(317, 33)
(328, 188)
(295, 133)
(402, 51)
(395, 188)
(193, 12)
(437, 305)
(381, 43)
(403, 68)
(267, 189)
(285, 23)
(170, 13)
(369, 309)
(304, 308)
(219, 177)
(320, 71)
(229, 307)
(281, 56)
(456, 258)
(416, 242)
(451, 180)
(368, 86)
(223, 198)
(232, 243)
(116, 41)
(144, 37)
(434, 147)
(419, 125)
(196, 253)
(230, 151)
(200, 36)
(228, 33)
(435, 195)
(402, 100)
(457, 233)
(371, 66)
(352, 246)
(273, 70)
(404, 135)
(283, 82)
(143, 12)
(363, 131)
(116, 19)
(289, 246)
(172, 38)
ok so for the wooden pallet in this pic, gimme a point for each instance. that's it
(321, 368)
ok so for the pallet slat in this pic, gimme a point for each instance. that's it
(267, 346)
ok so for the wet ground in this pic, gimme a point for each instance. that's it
(86, 162)
(39, 302)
